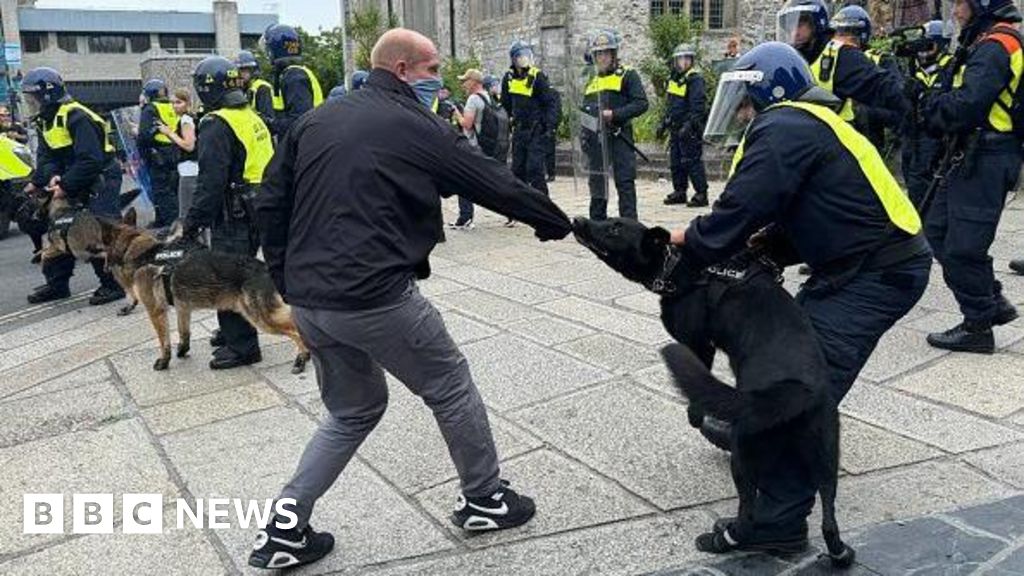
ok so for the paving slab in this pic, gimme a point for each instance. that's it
(512, 371)
(938, 296)
(628, 547)
(604, 289)
(568, 496)
(46, 415)
(438, 285)
(568, 272)
(501, 284)
(640, 439)
(643, 302)
(1011, 565)
(925, 545)
(371, 522)
(548, 330)
(463, 329)
(220, 405)
(110, 330)
(658, 378)
(987, 385)
(407, 447)
(185, 378)
(173, 553)
(88, 374)
(636, 327)
(24, 378)
(900, 350)
(612, 353)
(945, 428)
(1005, 336)
(53, 325)
(292, 384)
(1005, 463)
(1003, 518)
(116, 458)
(487, 307)
(864, 448)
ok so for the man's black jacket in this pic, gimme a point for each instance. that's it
(350, 206)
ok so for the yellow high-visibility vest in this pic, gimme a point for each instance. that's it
(318, 93)
(255, 138)
(607, 83)
(898, 207)
(999, 115)
(58, 136)
(254, 88)
(523, 86)
(170, 119)
(824, 76)
(679, 89)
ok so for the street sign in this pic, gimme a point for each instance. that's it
(12, 55)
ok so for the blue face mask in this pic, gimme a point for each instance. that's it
(426, 90)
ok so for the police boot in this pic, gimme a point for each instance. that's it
(106, 295)
(1005, 312)
(718, 432)
(965, 337)
(226, 358)
(49, 294)
(675, 198)
(1017, 265)
(699, 200)
(217, 339)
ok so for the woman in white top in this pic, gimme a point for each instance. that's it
(185, 138)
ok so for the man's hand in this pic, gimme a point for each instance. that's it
(30, 189)
(164, 130)
(678, 237)
(54, 187)
(607, 115)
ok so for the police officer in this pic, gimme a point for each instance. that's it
(296, 88)
(615, 96)
(75, 161)
(921, 151)
(528, 98)
(962, 220)
(158, 151)
(817, 188)
(684, 119)
(260, 92)
(234, 147)
(837, 62)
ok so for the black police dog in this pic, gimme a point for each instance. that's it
(780, 406)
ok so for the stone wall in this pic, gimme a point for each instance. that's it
(174, 70)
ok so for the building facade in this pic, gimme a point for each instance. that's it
(100, 53)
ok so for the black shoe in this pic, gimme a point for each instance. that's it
(462, 224)
(510, 223)
(718, 432)
(217, 340)
(1017, 265)
(675, 198)
(503, 509)
(225, 358)
(1005, 312)
(698, 201)
(965, 338)
(276, 548)
(105, 295)
(48, 294)
(722, 542)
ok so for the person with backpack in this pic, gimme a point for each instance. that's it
(981, 118)
(485, 125)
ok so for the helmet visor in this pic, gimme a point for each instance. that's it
(524, 58)
(730, 111)
(31, 103)
(795, 25)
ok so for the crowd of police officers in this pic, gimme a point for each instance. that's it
(956, 113)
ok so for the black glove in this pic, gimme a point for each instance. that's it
(913, 89)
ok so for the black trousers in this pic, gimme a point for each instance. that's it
(623, 168)
(235, 238)
(529, 147)
(687, 164)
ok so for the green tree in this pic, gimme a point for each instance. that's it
(364, 28)
(452, 68)
(323, 53)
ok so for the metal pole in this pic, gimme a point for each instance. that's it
(346, 46)
(451, 25)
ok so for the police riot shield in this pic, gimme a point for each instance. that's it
(588, 130)
(126, 125)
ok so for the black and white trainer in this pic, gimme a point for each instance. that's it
(503, 509)
(277, 548)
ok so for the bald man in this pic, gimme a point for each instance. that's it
(349, 212)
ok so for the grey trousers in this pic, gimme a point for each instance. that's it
(351, 350)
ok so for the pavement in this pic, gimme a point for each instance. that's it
(565, 355)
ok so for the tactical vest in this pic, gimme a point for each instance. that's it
(314, 84)
(608, 83)
(254, 88)
(169, 117)
(898, 207)
(823, 71)
(677, 89)
(523, 86)
(928, 76)
(250, 130)
(58, 136)
(999, 118)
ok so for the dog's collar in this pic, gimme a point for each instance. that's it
(663, 283)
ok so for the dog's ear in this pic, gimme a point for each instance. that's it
(130, 217)
(657, 237)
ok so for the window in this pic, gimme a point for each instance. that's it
(169, 42)
(139, 43)
(199, 42)
(250, 42)
(713, 14)
(488, 9)
(67, 42)
(107, 44)
(33, 42)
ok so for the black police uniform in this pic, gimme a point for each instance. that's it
(261, 98)
(160, 156)
(870, 261)
(529, 100)
(961, 223)
(551, 158)
(872, 121)
(684, 117)
(622, 92)
(218, 205)
(921, 149)
(296, 91)
(89, 175)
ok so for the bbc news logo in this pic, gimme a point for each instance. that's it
(144, 513)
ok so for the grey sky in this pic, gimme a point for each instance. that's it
(310, 14)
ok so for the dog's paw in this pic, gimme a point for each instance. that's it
(183, 350)
(161, 363)
(299, 366)
(844, 559)
(125, 310)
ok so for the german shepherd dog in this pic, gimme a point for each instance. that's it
(780, 405)
(201, 280)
